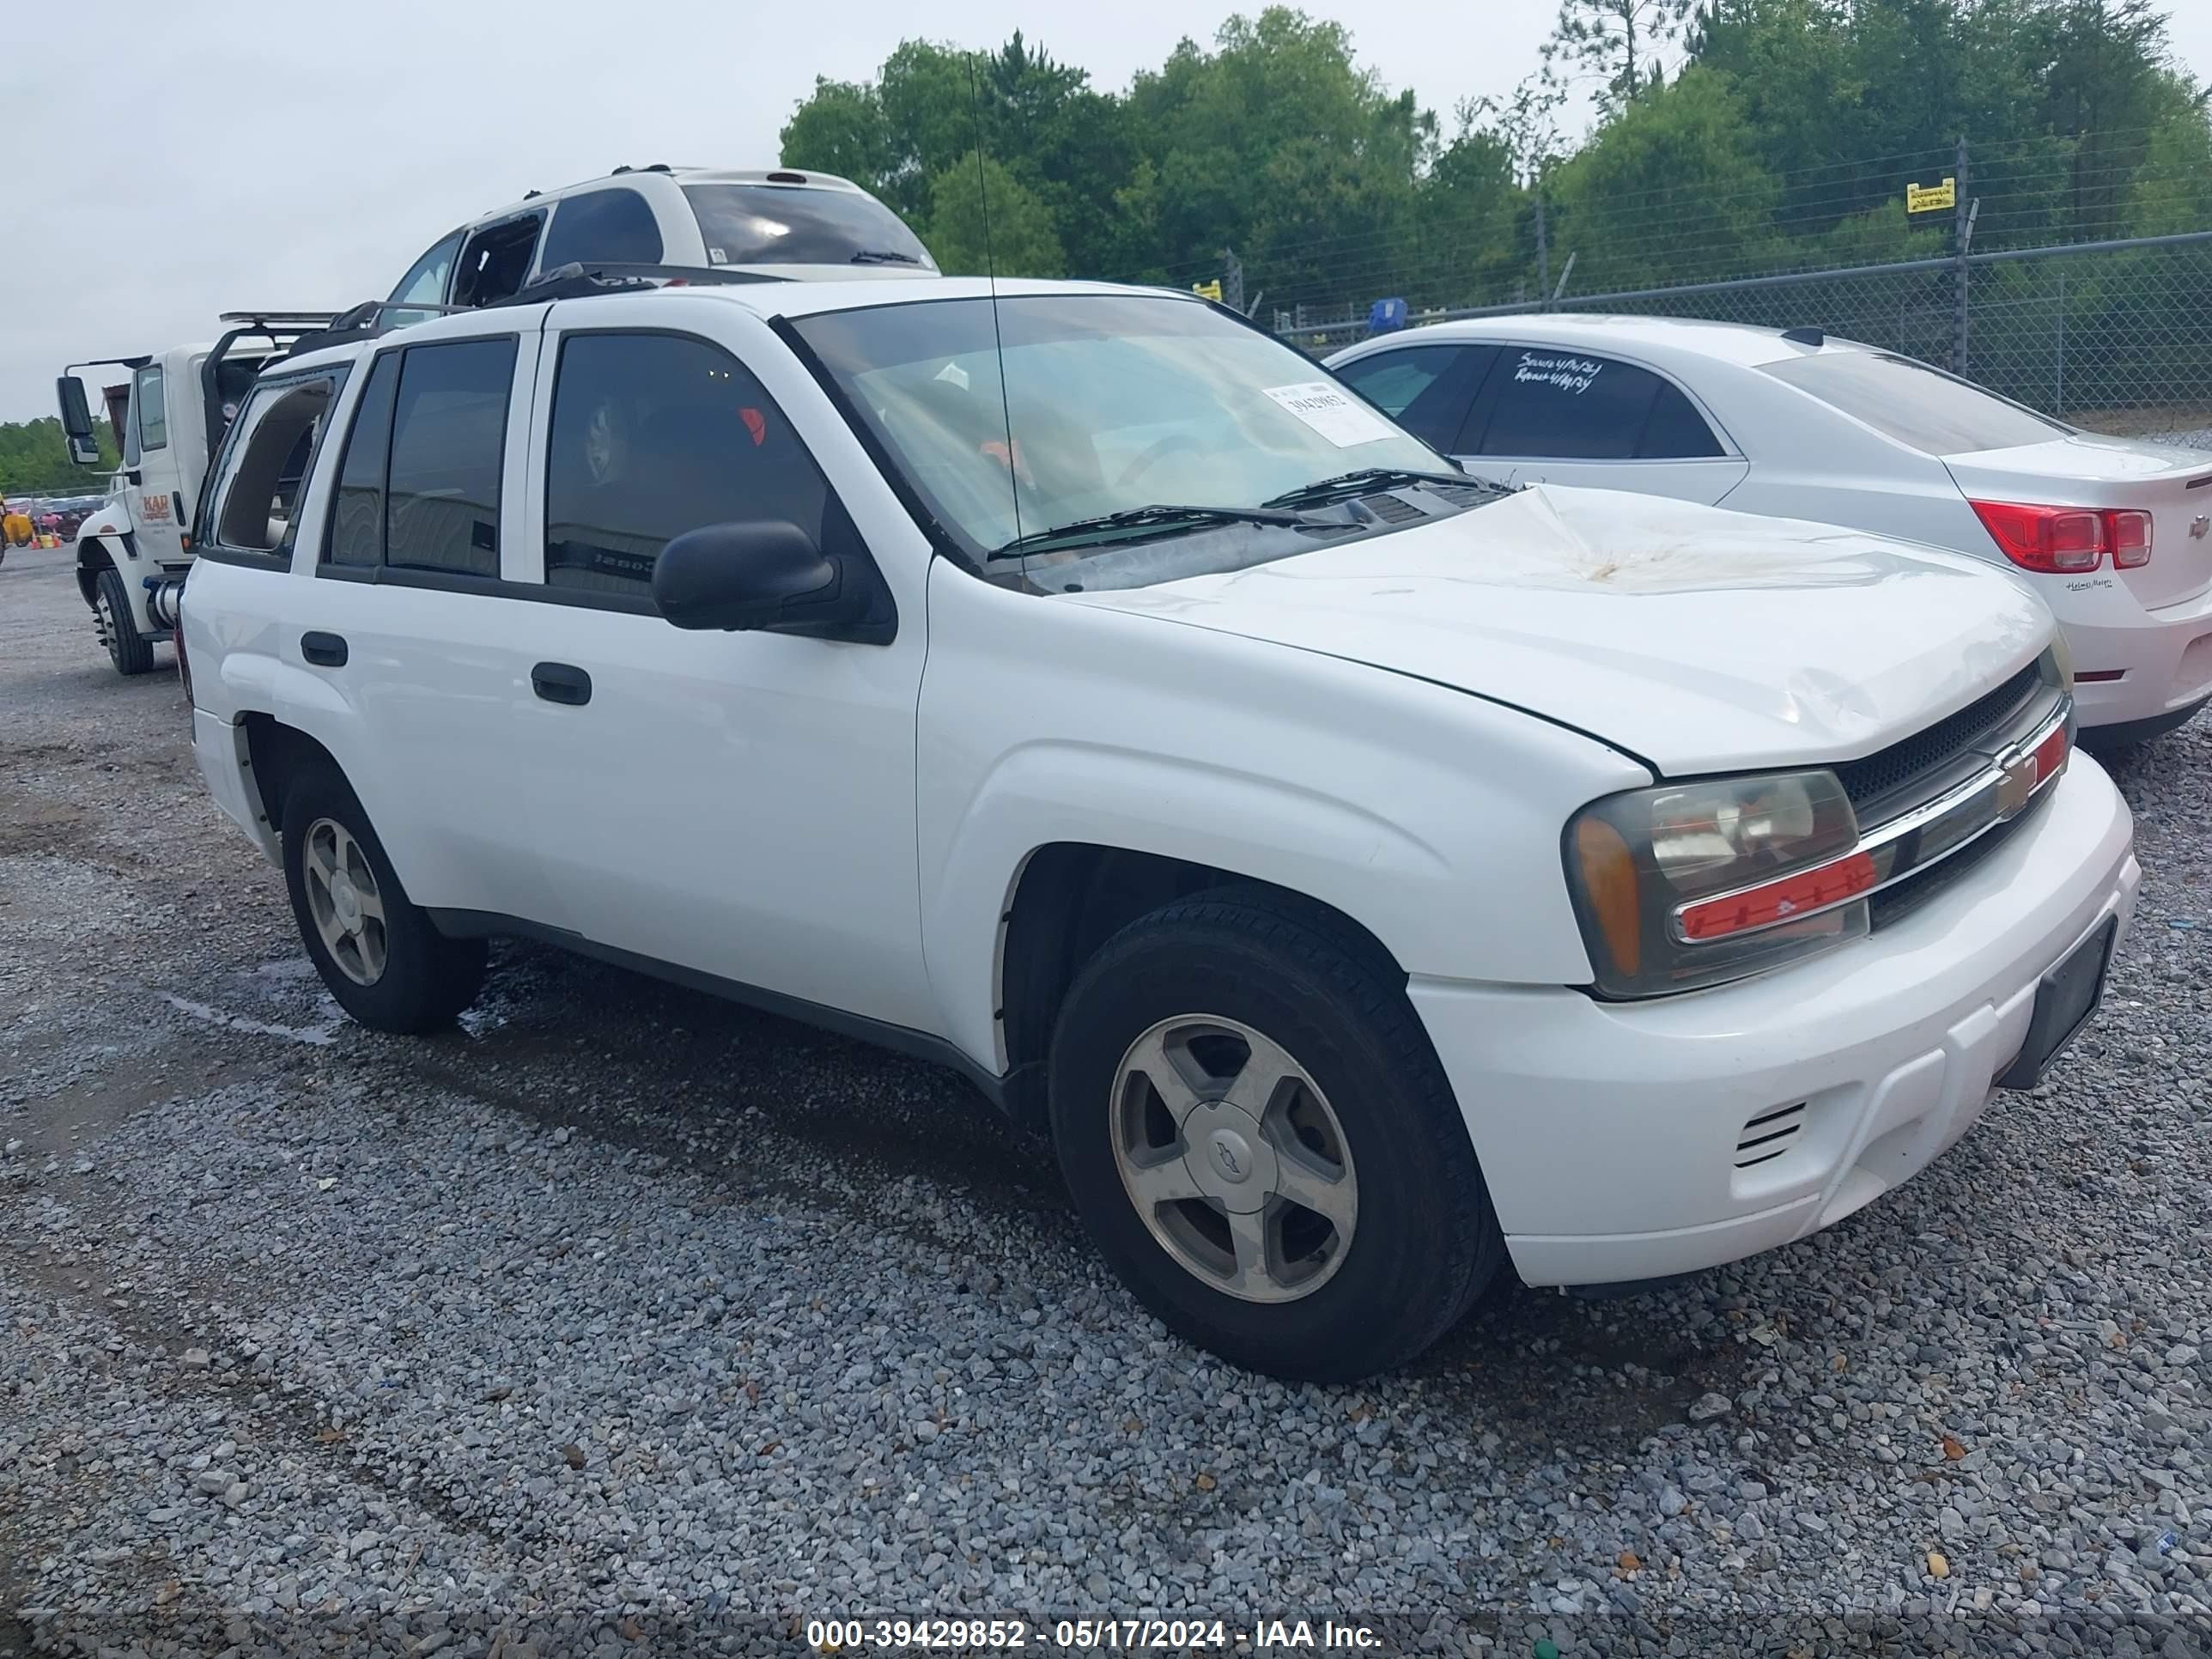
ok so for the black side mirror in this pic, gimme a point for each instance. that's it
(766, 574)
(77, 421)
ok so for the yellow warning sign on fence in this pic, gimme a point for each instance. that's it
(1931, 198)
(1208, 290)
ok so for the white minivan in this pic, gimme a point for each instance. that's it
(1367, 877)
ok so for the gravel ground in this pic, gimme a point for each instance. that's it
(622, 1317)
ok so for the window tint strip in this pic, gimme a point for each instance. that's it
(354, 535)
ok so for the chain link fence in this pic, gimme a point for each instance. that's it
(2114, 333)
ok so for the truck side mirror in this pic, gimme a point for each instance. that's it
(77, 421)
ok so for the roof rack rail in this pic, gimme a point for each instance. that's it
(262, 321)
(577, 281)
(366, 321)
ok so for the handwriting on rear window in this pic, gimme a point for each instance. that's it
(1573, 375)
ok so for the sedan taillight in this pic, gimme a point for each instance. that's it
(2062, 540)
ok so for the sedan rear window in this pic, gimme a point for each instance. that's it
(788, 224)
(1916, 403)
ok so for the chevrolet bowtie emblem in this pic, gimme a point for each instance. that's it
(2015, 783)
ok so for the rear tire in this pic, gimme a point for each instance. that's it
(131, 651)
(374, 947)
(1335, 1232)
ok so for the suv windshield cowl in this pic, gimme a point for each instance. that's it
(1071, 426)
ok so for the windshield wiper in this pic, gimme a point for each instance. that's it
(1367, 478)
(1145, 520)
(882, 256)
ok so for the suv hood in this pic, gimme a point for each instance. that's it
(1696, 639)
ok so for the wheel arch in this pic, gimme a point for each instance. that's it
(277, 753)
(1065, 900)
(93, 555)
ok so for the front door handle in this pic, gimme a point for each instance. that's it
(324, 650)
(560, 682)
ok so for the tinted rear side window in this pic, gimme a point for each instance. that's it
(615, 224)
(1915, 403)
(1567, 404)
(655, 434)
(1675, 430)
(356, 532)
(1425, 389)
(773, 224)
(448, 445)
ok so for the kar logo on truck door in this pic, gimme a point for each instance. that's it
(154, 507)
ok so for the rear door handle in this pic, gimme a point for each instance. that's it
(560, 682)
(324, 650)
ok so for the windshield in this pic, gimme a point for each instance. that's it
(790, 225)
(1916, 403)
(1111, 403)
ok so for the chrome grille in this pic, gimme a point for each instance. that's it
(1892, 780)
(1945, 799)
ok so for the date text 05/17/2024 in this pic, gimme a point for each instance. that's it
(1180, 1635)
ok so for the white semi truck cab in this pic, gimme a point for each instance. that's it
(169, 418)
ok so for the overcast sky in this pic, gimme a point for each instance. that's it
(160, 163)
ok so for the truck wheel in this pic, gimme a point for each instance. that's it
(1260, 1140)
(132, 651)
(376, 950)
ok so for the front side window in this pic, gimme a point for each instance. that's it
(1111, 403)
(655, 434)
(1425, 389)
(153, 415)
(277, 432)
(615, 225)
(788, 224)
(495, 263)
(448, 448)
(1916, 403)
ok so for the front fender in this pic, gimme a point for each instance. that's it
(1429, 816)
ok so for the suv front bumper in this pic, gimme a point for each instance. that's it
(1623, 1141)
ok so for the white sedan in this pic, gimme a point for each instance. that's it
(2110, 532)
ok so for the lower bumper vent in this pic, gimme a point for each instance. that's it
(1769, 1136)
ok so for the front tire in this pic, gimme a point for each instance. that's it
(374, 947)
(131, 651)
(1260, 1140)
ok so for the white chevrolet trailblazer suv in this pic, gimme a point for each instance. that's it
(1366, 876)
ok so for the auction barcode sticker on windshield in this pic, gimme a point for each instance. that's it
(1331, 412)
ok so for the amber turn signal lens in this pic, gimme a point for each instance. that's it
(1608, 872)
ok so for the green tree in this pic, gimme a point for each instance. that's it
(983, 220)
(1668, 190)
(34, 458)
(1615, 43)
(932, 104)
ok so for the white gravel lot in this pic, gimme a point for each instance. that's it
(625, 1321)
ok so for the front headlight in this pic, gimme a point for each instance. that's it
(1697, 884)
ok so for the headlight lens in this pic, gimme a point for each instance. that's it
(1697, 884)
